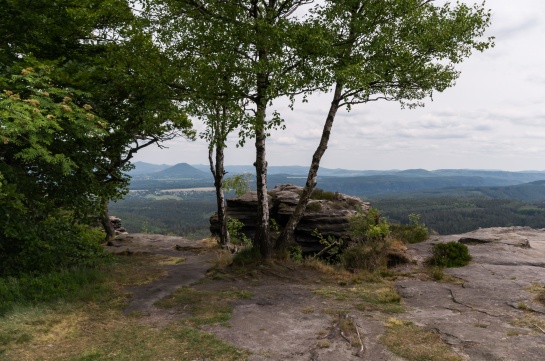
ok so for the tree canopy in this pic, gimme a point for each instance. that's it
(84, 88)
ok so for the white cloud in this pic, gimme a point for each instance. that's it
(493, 118)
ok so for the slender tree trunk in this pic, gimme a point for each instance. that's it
(262, 236)
(287, 235)
(218, 171)
(106, 224)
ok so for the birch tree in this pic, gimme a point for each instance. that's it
(394, 50)
(266, 41)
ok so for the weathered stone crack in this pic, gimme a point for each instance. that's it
(470, 307)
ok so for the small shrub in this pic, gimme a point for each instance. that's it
(295, 254)
(437, 273)
(414, 232)
(247, 256)
(234, 227)
(365, 256)
(450, 254)
(314, 207)
(370, 231)
(320, 194)
(541, 297)
(332, 245)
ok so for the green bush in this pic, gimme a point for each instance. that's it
(369, 226)
(295, 254)
(414, 232)
(370, 232)
(369, 257)
(450, 254)
(320, 194)
(234, 227)
(50, 245)
(67, 285)
(409, 233)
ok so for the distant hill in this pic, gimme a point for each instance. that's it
(181, 171)
(299, 170)
(145, 168)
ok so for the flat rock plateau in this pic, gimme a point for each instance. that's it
(487, 310)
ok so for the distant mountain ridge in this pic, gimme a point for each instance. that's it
(406, 183)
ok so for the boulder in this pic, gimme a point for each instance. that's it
(118, 227)
(329, 214)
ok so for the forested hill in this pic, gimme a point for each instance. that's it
(532, 192)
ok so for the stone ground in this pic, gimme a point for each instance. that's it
(488, 313)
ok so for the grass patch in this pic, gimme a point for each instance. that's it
(314, 207)
(532, 321)
(415, 343)
(77, 284)
(205, 307)
(89, 325)
(539, 291)
(379, 296)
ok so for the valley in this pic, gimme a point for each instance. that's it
(179, 200)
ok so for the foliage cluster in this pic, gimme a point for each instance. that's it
(414, 232)
(238, 237)
(78, 99)
(370, 232)
(450, 254)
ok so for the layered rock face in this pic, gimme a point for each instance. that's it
(329, 214)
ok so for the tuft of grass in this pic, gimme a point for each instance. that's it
(247, 257)
(436, 273)
(205, 307)
(415, 343)
(530, 320)
(324, 344)
(314, 207)
(539, 291)
(366, 296)
(320, 194)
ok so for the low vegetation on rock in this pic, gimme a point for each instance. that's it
(450, 254)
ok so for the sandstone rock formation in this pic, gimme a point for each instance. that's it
(329, 215)
(118, 227)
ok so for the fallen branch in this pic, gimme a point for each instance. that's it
(336, 243)
(539, 328)
(362, 348)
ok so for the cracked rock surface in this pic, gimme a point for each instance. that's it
(491, 311)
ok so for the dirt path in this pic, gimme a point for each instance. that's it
(488, 313)
(196, 261)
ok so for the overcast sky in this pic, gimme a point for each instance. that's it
(494, 118)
